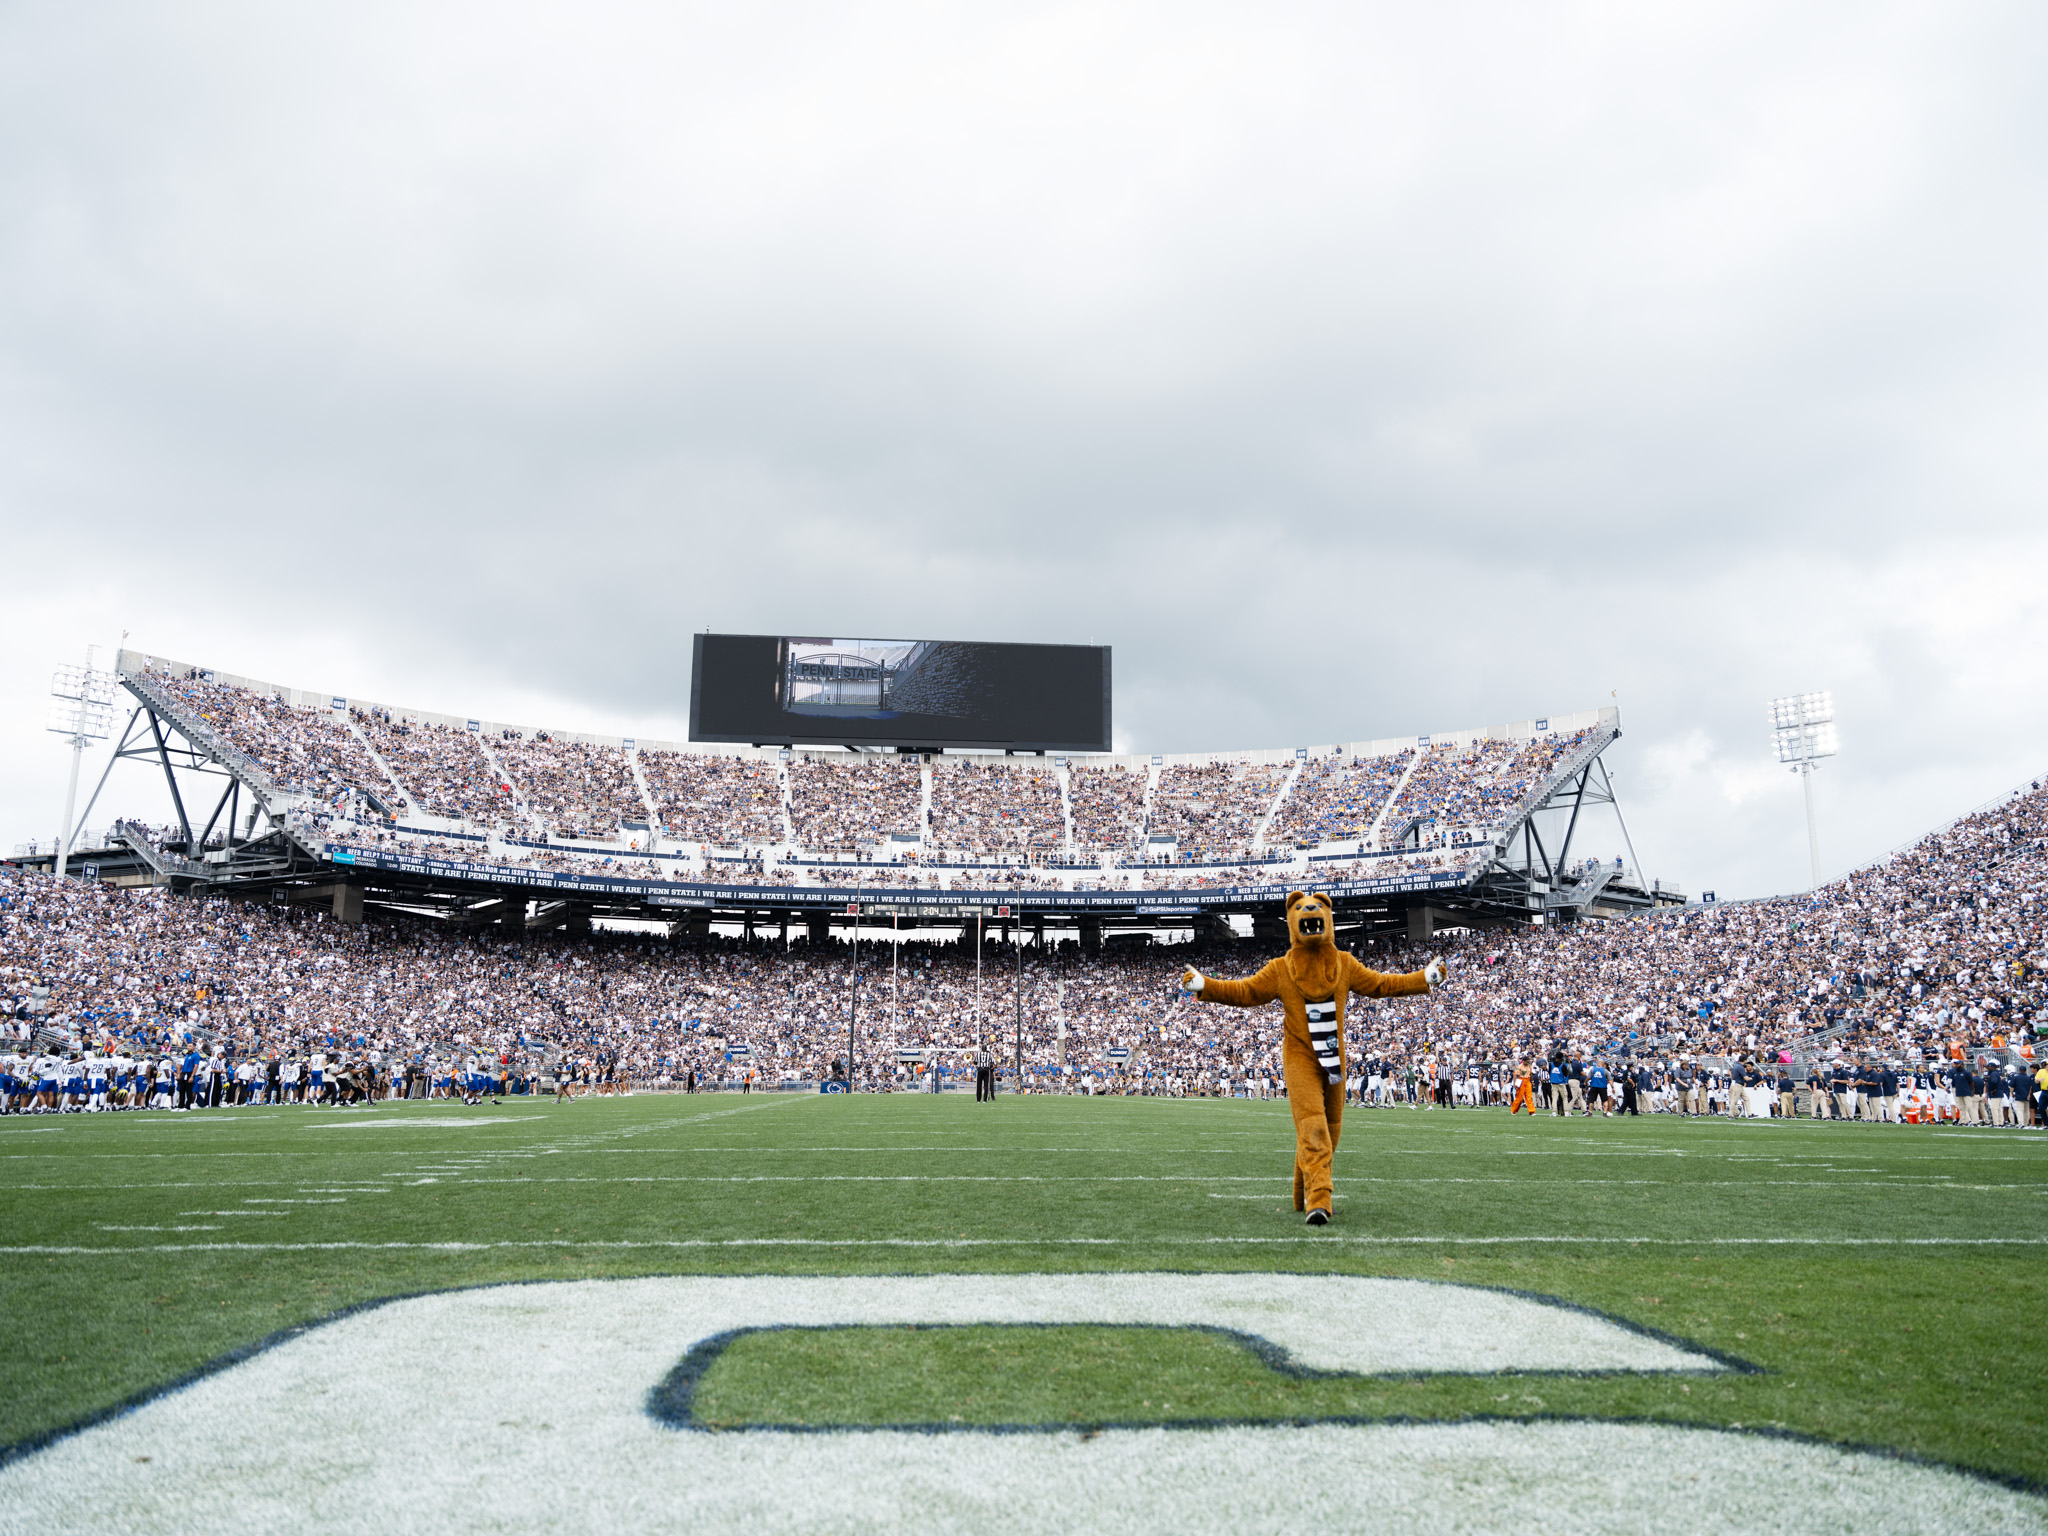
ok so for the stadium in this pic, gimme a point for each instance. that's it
(956, 770)
(627, 1022)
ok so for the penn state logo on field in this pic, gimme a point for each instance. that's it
(555, 1407)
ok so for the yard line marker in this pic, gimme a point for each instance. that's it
(432, 1122)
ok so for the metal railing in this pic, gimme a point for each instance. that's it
(148, 689)
(162, 860)
(43, 847)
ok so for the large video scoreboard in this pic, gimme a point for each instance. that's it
(793, 689)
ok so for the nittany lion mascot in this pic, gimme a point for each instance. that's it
(1312, 980)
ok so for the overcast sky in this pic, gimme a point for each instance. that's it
(1353, 370)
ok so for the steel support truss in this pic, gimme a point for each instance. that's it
(156, 737)
(1527, 877)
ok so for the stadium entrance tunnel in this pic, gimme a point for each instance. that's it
(346, 897)
(465, 1394)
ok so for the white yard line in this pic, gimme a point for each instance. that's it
(418, 1123)
(1902, 1181)
(1930, 1185)
(1300, 1239)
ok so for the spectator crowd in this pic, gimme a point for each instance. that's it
(983, 808)
(1915, 983)
(1212, 811)
(729, 801)
(444, 771)
(1108, 802)
(854, 804)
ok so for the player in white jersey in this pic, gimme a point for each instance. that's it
(96, 1081)
(166, 1083)
(317, 1072)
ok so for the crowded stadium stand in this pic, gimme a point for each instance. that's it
(1338, 798)
(994, 807)
(1109, 806)
(1211, 811)
(371, 805)
(302, 751)
(441, 771)
(1911, 990)
(729, 802)
(843, 806)
(572, 788)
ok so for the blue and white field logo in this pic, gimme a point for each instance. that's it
(565, 1407)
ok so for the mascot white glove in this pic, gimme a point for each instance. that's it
(1192, 980)
(1435, 972)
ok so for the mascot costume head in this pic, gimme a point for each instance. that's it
(1311, 983)
(1312, 942)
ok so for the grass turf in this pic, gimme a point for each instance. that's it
(1850, 1262)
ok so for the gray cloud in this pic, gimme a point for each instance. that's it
(1353, 371)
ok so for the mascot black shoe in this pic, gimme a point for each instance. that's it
(1311, 982)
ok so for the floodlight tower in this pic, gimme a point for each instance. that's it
(84, 712)
(1803, 731)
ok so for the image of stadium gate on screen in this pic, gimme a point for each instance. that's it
(914, 693)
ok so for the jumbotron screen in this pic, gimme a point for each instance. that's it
(790, 689)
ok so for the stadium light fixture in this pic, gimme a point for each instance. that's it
(1802, 733)
(83, 710)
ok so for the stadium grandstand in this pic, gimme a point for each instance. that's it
(1912, 989)
(438, 889)
(290, 795)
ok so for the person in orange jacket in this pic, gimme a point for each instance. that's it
(1525, 1097)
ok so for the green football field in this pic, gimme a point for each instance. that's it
(1889, 1284)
